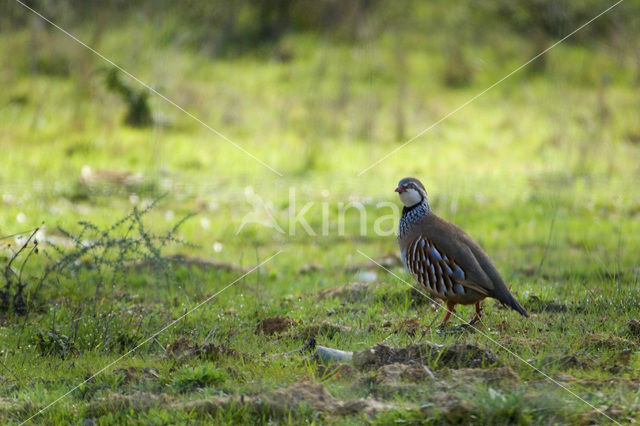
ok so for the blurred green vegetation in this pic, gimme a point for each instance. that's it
(542, 170)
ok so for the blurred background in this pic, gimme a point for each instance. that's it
(319, 91)
(543, 170)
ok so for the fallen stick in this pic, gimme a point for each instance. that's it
(322, 353)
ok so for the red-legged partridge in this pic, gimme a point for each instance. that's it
(443, 258)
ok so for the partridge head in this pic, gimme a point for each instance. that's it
(443, 259)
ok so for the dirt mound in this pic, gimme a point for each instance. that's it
(451, 408)
(275, 325)
(313, 394)
(368, 406)
(601, 340)
(318, 398)
(457, 355)
(633, 328)
(282, 401)
(494, 376)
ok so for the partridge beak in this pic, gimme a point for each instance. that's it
(400, 189)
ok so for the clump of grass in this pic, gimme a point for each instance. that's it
(126, 340)
(188, 378)
(54, 343)
(12, 295)
(499, 406)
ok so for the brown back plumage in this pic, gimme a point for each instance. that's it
(450, 264)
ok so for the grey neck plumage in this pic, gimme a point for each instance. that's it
(412, 215)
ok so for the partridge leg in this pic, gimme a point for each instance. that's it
(476, 317)
(450, 309)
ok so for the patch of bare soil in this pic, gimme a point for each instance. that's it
(391, 374)
(368, 406)
(353, 292)
(407, 379)
(501, 376)
(324, 328)
(273, 325)
(280, 402)
(139, 401)
(182, 349)
(457, 355)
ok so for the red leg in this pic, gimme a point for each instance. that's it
(476, 317)
(450, 309)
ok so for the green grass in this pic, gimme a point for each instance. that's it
(534, 170)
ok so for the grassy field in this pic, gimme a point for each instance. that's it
(543, 171)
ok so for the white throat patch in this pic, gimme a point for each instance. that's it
(410, 197)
